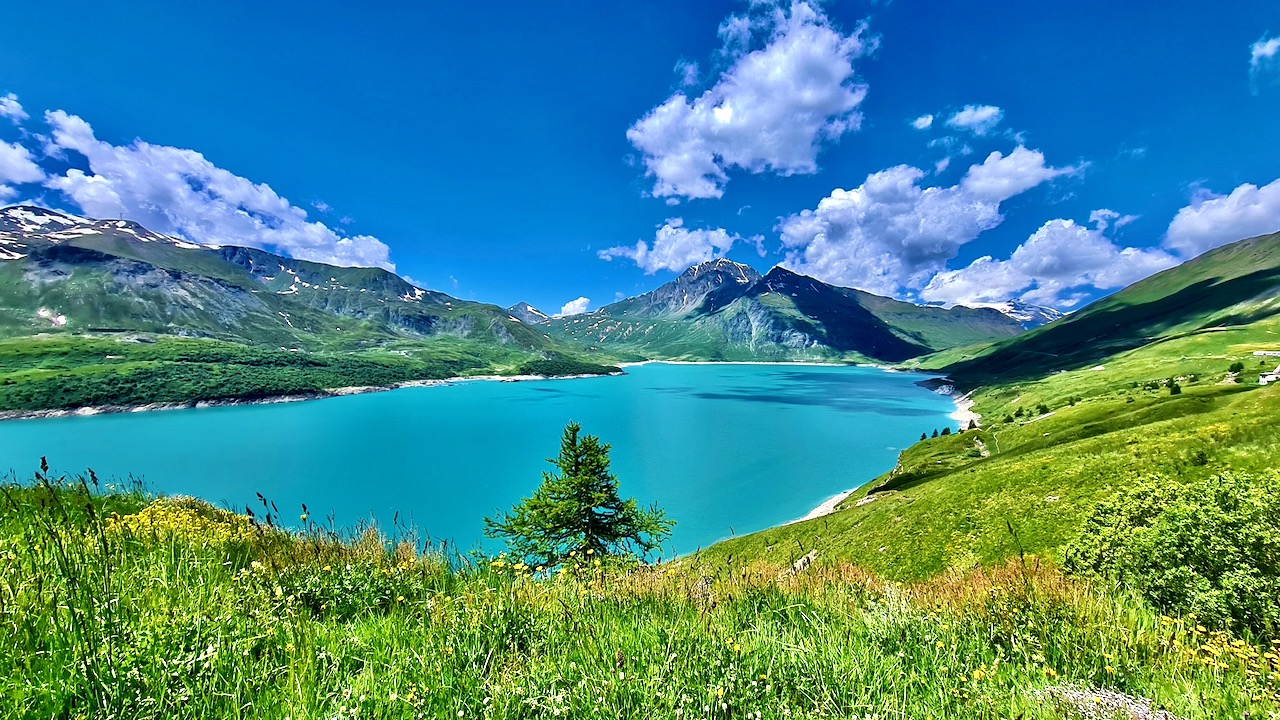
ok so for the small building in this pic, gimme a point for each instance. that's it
(1268, 378)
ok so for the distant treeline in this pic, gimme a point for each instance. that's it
(560, 366)
(60, 373)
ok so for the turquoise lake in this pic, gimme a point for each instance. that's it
(724, 449)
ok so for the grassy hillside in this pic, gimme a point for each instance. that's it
(1053, 444)
(116, 606)
(1232, 286)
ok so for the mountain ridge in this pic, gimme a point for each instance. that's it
(723, 310)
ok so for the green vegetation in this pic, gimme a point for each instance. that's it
(108, 319)
(952, 501)
(1153, 385)
(1223, 290)
(578, 513)
(1210, 548)
(559, 365)
(114, 606)
(69, 371)
(1128, 443)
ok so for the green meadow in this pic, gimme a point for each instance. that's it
(117, 605)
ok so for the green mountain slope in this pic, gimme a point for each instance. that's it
(264, 324)
(1232, 286)
(119, 276)
(1157, 383)
(721, 310)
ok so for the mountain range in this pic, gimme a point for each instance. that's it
(62, 272)
(722, 310)
(69, 274)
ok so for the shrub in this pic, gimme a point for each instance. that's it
(1210, 547)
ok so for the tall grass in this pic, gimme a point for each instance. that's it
(115, 606)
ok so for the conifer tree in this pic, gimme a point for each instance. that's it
(577, 510)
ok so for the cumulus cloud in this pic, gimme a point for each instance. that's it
(180, 192)
(924, 122)
(1059, 265)
(770, 111)
(977, 119)
(17, 167)
(1212, 220)
(574, 307)
(677, 248)
(12, 109)
(891, 234)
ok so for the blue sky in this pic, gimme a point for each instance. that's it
(554, 151)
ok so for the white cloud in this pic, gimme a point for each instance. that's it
(770, 111)
(12, 109)
(1213, 220)
(677, 248)
(941, 166)
(688, 72)
(1262, 54)
(1058, 265)
(574, 307)
(1000, 177)
(1264, 57)
(977, 119)
(890, 233)
(321, 205)
(17, 166)
(1104, 218)
(180, 192)
(924, 122)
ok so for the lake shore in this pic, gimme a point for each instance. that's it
(827, 507)
(274, 399)
(964, 417)
(745, 362)
(362, 389)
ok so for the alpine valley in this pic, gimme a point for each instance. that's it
(143, 318)
(1107, 512)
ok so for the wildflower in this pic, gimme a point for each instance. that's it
(1110, 670)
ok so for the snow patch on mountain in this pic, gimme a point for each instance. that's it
(1031, 316)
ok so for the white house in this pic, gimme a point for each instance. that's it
(1268, 378)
